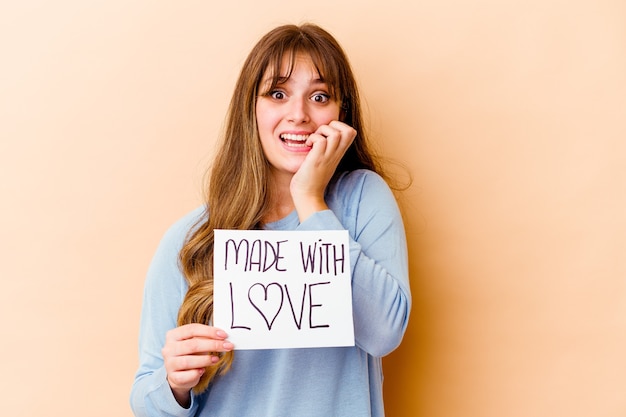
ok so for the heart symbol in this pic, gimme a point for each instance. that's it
(268, 306)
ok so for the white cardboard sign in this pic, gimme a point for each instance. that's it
(283, 289)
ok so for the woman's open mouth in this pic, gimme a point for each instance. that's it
(294, 141)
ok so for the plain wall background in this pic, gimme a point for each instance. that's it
(510, 116)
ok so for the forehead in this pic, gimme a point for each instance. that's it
(288, 64)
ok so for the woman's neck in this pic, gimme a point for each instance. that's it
(281, 203)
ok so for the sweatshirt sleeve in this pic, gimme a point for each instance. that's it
(164, 290)
(363, 204)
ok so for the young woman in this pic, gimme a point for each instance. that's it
(294, 156)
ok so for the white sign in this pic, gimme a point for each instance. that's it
(283, 289)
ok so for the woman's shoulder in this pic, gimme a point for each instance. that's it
(178, 231)
(359, 180)
(352, 189)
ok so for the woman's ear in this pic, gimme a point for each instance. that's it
(343, 112)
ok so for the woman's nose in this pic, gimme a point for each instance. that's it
(298, 110)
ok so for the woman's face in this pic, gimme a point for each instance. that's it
(289, 113)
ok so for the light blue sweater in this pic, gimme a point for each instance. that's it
(327, 382)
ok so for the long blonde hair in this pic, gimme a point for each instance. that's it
(237, 195)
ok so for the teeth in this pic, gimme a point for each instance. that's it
(289, 136)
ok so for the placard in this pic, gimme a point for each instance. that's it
(283, 289)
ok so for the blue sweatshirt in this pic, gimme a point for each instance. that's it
(328, 382)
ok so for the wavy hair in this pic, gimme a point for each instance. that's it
(237, 193)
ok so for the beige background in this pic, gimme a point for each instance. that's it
(508, 114)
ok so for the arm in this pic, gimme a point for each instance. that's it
(172, 359)
(362, 203)
(164, 290)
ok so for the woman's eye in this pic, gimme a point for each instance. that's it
(321, 98)
(278, 95)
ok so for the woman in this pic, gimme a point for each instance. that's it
(294, 156)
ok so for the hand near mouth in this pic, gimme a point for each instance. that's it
(329, 143)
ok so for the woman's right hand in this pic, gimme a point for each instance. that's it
(186, 354)
(328, 144)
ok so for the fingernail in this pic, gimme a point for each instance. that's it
(228, 345)
(221, 333)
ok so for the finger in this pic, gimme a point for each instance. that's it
(189, 362)
(189, 331)
(328, 132)
(339, 135)
(199, 345)
(342, 127)
(326, 141)
(318, 144)
(195, 346)
(188, 378)
(347, 132)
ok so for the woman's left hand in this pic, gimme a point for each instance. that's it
(329, 143)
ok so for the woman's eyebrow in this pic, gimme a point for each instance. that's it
(268, 82)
